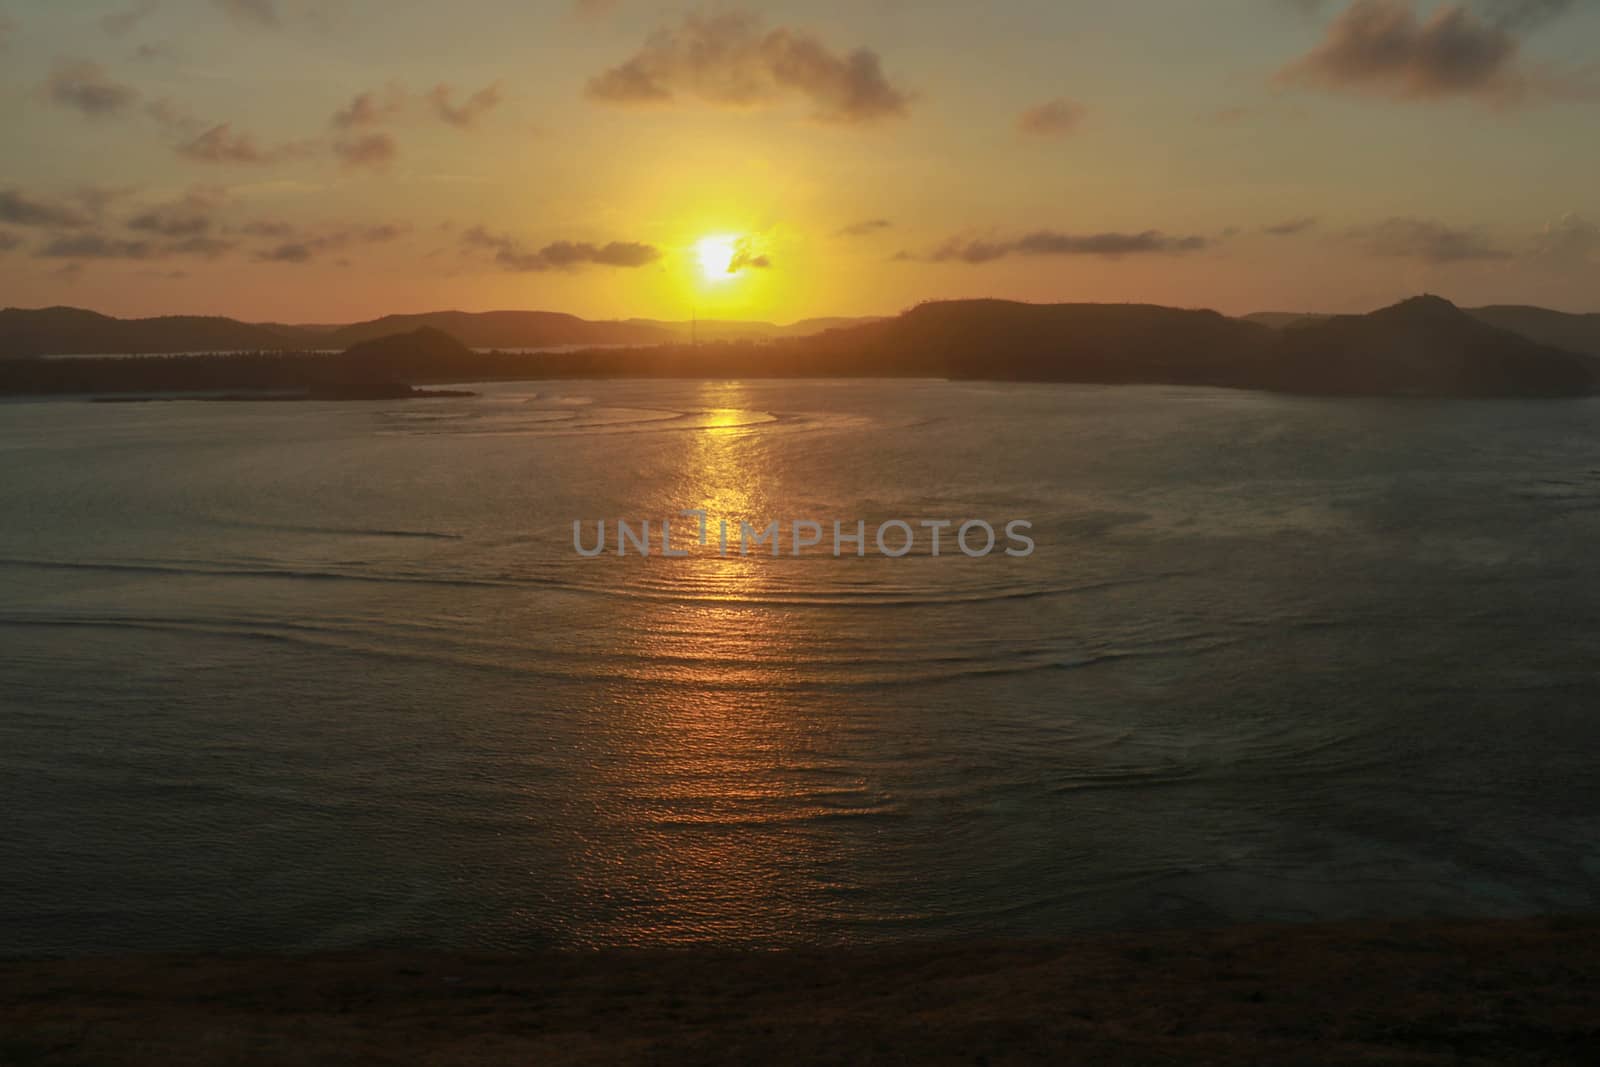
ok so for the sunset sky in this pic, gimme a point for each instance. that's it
(333, 160)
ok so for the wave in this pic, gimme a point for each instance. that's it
(335, 531)
(420, 643)
(580, 421)
(845, 598)
(194, 571)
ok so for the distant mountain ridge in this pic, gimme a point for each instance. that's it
(502, 329)
(1574, 332)
(1283, 320)
(1580, 333)
(1425, 346)
(65, 331)
(1001, 339)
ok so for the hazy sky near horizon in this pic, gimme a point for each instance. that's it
(331, 160)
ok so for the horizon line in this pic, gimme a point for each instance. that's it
(640, 319)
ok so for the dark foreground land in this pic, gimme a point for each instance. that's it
(1377, 992)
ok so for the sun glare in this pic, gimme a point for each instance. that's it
(716, 255)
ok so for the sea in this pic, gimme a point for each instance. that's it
(316, 676)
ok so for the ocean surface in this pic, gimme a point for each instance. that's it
(314, 676)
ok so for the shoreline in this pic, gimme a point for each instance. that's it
(1378, 991)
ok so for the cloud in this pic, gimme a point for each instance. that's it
(277, 14)
(1053, 118)
(19, 210)
(746, 256)
(1052, 243)
(864, 228)
(380, 233)
(729, 60)
(1527, 14)
(561, 255)
(189, 226)
(8, 26)
(220, 144)
(174, 117)
(367, 109)
(1573, 241)
(209, 247)
(95, 246)
(375, 150)
(172, 221)
(121, 23)
(465, 115)
(252, 12)
(614, 254)
(1290, 227)
(267, 228)
(190, 217)
(151, 51)
(1382, 48)
(8, 241)
(187, 235)
(305, 249)
(294, 252)
(1510, 14)
(85, 87)
(97, 198)
(1047, 243)
(593, 9)
(1229, 116)
(1423, 239)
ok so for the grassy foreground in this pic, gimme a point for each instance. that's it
(1418, 992)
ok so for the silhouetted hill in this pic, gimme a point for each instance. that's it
(74, 332)
(505, 329)
(384, 367)
(1054, 342)
(1577, 333)
(64, 331)
(1282, 320)
(1423, 346)
(808, 327)
(420, 354)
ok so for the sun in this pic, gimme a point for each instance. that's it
(716, 256)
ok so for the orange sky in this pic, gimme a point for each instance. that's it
(331, 160)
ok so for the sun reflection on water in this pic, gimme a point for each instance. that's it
(698, 766)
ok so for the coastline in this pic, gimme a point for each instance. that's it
(1412, 991)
